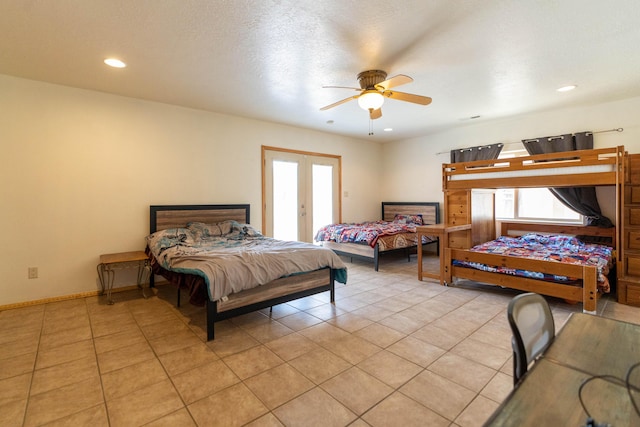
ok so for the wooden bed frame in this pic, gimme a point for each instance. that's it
(569, 169)
(587, 275)
(276, 292)
(430, 212)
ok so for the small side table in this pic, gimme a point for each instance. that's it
(441, 231)
(119, 261)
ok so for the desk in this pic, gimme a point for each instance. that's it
(586, 346)
(440, 231)
(596, 345)
(118, 261)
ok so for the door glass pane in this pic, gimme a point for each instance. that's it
(285, 200)
(322, 179)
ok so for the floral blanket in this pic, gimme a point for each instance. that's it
(366, 232)
(557, 248)
(232, 257)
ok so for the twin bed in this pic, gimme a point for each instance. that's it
(396, 231)
(581, 280)
(547, 259)
(225, 264)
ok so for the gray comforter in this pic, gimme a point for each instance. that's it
(239, 260)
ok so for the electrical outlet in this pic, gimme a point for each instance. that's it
(33, 272)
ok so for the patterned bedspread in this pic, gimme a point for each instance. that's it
(547, 248)
(233, 257)
(369, 232)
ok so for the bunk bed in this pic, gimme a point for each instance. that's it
(373, 240)
(223, 279)
(596, 167)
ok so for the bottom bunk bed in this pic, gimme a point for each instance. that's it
(211, 251)
(394, 233)
(578, 275)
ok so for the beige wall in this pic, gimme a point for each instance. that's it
(413, 167)
(80, 169)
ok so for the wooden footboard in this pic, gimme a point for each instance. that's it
(587, 275)
(277, 292)
(354, 250)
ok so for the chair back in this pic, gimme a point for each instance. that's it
(533, 330)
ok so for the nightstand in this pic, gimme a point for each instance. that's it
(109, 263)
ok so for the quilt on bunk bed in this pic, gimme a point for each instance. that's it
(231, 257)
(559, 248)
(399, 233)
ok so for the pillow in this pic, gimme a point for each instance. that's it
(408, 219)
(535, 237)
(204, 231)
(565, 241)
(170, 237)
(249, 231)
(552, 240)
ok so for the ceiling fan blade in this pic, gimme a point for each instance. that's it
(342, 87)
(335, 104)
(375, 114)
(409, 97)
(394, 81)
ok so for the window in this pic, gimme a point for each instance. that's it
(532, 204)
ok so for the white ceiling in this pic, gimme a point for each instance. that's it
(268, 59)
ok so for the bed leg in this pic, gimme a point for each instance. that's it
(178, 298)
(332, 291)
(590, 290)
(376, 258)
(211, 316)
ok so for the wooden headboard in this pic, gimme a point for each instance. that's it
(162, 217)
(430, 211)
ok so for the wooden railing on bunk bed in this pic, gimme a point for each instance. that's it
(566, 169)
(597, 167)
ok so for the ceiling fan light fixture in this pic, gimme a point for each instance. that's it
(115, 63)
(566, 88)
(370, 99)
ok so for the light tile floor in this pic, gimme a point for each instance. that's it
(392, 351)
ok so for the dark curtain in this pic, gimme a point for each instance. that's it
(486, 152)
(581, 199)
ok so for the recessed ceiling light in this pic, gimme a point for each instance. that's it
(388, 129)
(115, 63)
(566, 88)
(329, 122)
(474, 117)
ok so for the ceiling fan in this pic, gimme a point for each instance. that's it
(374, 88)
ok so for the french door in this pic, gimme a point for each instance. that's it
(301, 193)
